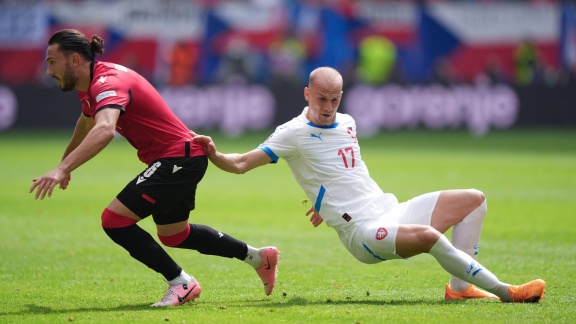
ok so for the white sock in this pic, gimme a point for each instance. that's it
(182, 279)
(463, 266)
(253, 257)
(466, 237)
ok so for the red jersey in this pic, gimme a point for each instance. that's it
(145, 121)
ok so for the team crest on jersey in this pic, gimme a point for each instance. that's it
(381, 233)
(105, 94)
(352, 134)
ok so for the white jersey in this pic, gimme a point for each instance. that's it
(326, 162)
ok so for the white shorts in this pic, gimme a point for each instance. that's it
(374, 241)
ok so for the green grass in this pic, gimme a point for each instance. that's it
(57, 265)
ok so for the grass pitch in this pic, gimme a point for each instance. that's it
(57, 265)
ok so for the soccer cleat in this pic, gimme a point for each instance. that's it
(531, 292)
(180, 294)
(268, 270)
(468, 293)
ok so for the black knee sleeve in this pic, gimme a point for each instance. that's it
(145, 249)
(207, 240)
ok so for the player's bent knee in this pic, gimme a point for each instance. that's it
(478, 213)
(112, 219)
(428, 238)
(477, 195)
(418, 239)
(176, 239)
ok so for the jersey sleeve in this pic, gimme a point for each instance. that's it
(110, 91)
(283, 143)
(85, 101)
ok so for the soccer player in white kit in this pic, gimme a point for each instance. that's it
(321, 148)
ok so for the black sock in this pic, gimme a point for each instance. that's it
(145, 249)
(209, 241)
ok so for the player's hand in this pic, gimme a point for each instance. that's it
(46, 183)
(315, 219)
(207, 142)
(64, 183)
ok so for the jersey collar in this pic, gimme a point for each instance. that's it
(324, 127)
(317, 126)
(92, 70)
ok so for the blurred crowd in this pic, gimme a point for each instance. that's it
(366, 45)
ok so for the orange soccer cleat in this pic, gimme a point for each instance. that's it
(468, 293)
(531, 292)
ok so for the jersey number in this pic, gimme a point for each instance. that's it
(344, 154)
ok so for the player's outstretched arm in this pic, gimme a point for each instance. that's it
(97, 138)
(233, 162)
(83, 127)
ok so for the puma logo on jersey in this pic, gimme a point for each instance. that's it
(176, 168)
(148, 173)
(102, 79)
(317, 136)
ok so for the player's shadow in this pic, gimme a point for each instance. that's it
(33, 309)
(301, 301)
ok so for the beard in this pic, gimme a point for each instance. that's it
(68, 80)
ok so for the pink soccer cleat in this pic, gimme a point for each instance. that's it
(180, 294)
(268, 270)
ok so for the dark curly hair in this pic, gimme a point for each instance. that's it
(72, 40)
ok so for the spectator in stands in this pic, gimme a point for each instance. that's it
(445, 73)
(527, 63)
(182, 64)
(494, 72)
(376, 60)
(286, 59)
(239, 64)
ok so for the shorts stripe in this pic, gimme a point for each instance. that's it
(320, 197)
(372, 253)
(149, 199)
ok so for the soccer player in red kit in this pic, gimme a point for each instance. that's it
(117, 99)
